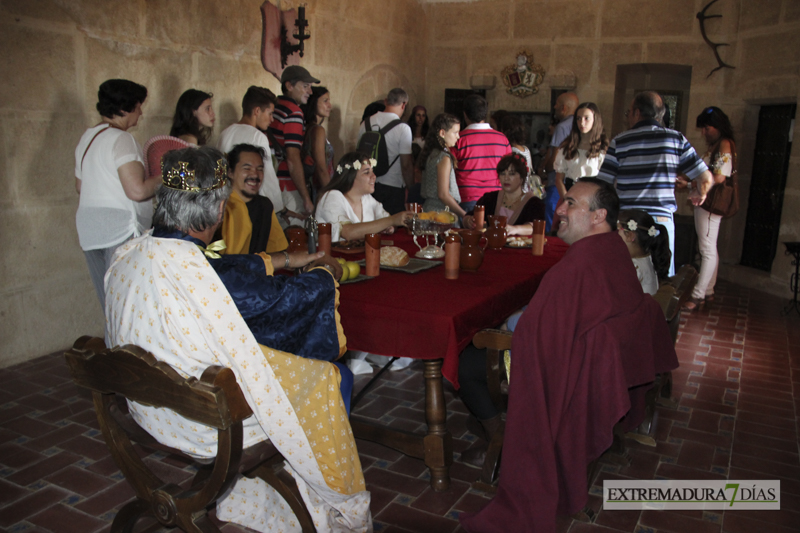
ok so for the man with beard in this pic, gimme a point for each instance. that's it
(250, 225)
(585, 350)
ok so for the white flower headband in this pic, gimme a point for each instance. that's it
(633, 226)
(355, 165)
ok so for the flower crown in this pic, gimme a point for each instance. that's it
(183, 179)
(521, 158)
(633, 226)
(355, 165)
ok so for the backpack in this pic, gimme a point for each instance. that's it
(373, 143)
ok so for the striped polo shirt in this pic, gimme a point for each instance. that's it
(288, 128)
(478, 151)
(645, 161)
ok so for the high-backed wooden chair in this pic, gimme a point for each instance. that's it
(215, 400)
(496, 342)
(671, 296)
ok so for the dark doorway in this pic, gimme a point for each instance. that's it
(454, 101)
(770, 166)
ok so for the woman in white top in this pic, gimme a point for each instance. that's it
(720, 157)
(581, 154)
(511, 126)
(114, 192)
(347, 203)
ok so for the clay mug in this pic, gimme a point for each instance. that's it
(298, 240)
(497, 233)
(471, 255)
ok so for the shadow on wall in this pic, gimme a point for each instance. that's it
(373, 85)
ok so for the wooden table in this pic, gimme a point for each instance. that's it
(425, 316)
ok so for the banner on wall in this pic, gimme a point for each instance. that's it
(271, 20)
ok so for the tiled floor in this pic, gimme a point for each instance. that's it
(739, 389)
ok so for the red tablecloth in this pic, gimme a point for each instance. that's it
(425, 316)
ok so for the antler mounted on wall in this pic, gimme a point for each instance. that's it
(701, 16)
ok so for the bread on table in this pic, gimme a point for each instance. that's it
(394, 256)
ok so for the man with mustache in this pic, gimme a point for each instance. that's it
(250, 225)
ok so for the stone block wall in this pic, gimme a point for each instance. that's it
(55, 55)
(589, 38)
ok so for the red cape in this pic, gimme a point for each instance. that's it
(589, 334)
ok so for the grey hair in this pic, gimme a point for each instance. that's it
(650, 105)
(397, 96)
(187, 210)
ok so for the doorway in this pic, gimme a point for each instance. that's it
(770, 167)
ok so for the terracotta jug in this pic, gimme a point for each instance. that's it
(298, 240)
(496, 233)
(471, 255)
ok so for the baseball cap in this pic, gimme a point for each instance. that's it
(295, 73)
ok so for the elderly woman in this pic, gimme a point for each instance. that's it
(110, 178)
(347, 203)
(191, 126)
(520, 208)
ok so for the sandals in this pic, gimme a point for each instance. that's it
(693, 303)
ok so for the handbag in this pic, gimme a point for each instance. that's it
(723, 198)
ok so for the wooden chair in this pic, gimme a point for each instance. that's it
(670, 296)
(215, 400)
(496, 342)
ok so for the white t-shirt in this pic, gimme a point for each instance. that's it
(106, 216)
(398, 142)
(246, 134)
(334, 208)
(578, 167)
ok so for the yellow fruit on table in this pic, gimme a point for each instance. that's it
(341, 260)
(345, 274)
(354, 269)
(427, 216)
(444, 217)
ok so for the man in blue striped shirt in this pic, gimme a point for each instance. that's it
(646, 160)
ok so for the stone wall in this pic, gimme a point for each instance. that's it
(587, 39)
(55, 55)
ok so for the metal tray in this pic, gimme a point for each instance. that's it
(414, 265)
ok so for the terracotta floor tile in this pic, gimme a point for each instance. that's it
(440, 503)
(415, 520)
(113, 497)
(767, 430)
(10, 492)
(35, 472)
(701, 436)
(676, 523)
(696, 455)
(18, 456)
(80, 481)
(395, 482)
(30, 427)
(65, 519)
(739, 522)
(31, 505)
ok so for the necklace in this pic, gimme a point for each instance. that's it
(508, 204)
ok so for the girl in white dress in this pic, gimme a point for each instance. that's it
(648, 244)
(347, 203)
(581, 154)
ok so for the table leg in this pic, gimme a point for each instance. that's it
(438, 442)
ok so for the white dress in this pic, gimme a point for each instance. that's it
(334, 208)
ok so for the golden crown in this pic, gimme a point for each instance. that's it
(183, 179)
